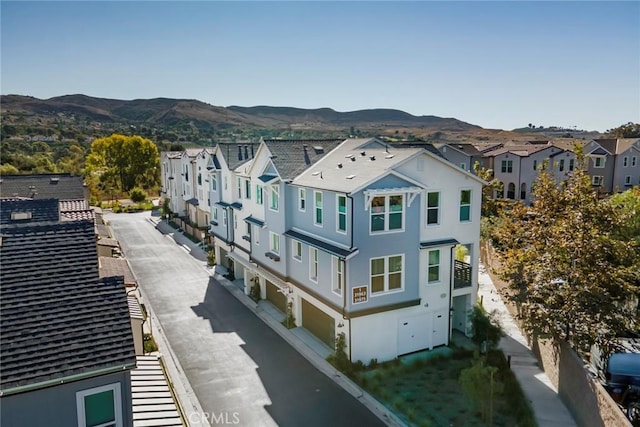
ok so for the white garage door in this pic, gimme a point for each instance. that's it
(413, 333)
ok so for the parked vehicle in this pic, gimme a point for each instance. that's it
(623, 383)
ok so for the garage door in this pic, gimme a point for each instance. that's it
(413, 334)
(275, 297)
(318, 323)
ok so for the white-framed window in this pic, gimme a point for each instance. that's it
(100, 406)
(313, 264)
(561, 165)
(224, 217)
(433, 270)
(572, 163)
(341, 223)
(634, 161)
(275, 197)
(387, 213)
(598, 162)
(274, 242)
(463, 166)
(296, 250)
(215, 214)
(239, 182)
(465, 205)
(433, 208)
(258, 194)
(507, 166)
(627, 180)
(386, 274)
(247, 189)
(625, 161)
(214, 182)
(596, 180)
(302, 199)
(247, 229)
(338, 275)
(535, 165)
(317, 203)
(256, 235)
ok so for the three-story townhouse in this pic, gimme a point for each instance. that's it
(627, 165)
(600, 155)
(171, 178)
(188, 173)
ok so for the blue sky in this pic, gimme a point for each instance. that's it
(494, 64)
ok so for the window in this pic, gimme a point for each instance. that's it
(247, 189)
(226, 182)
(215, 214)
(186, 173)
(433, 272)
(199, 178)
(99, 406)
(224, 217)
(507, 166)
(627, 180)
(561, 165)
(302, 199)
(239, 188)
(634, 161)
(598, 162)
(523, 191)
(596, 180)
(386, 213)
(625, 161)
(465, 205)
(274, 240)
(511, 191)
(275, 195)
(571, 164)
(235, 221)
(313, 264)
(338, 276)
(256, 235)
(342, 213)
(535, 165)
(386, 274)
(247, 229)
(296, 250)
(433, 208)
(317, 197)
(463, 166)
(214, 182)
(258, 194)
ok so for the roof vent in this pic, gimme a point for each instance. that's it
(18, 216)
(353, 159)
(363, 153)
(318, 149)
(349, 156)
(54, 180)
(390, 156)
(372, 158)
(339, 165)
(315, 173)
(350, 176)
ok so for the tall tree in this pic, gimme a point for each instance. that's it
(571, 277)
(122, 162)
(629, 130)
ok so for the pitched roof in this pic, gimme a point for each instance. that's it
(236, 154)
(172, 154)
(518, 150)
(110, 267)
(352, 164)
(292, 156)
(43, 186)
(567, 144)
(608, 144)
(625, 143)
(468, 149)
(23, 211)
(58, 318)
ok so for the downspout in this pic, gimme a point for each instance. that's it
(451, 281)
(346, 288)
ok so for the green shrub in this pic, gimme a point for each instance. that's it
(149, 343)
(485, 327)
(137, 195)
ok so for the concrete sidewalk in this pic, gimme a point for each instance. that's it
(548, 408)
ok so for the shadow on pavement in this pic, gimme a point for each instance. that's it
(296, 388)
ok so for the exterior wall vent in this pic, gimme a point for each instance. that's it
(19, 216)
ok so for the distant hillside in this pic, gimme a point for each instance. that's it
(165, 111)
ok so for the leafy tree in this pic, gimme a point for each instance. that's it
(570, 277)
(137, 195)
(485, 327)
(8, 170)
(123, 162)
(489, 203)
(629, 130)
(628, 203)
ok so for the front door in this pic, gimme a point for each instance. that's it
(440, 334)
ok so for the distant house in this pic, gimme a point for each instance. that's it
(626, 171)
(171, 178)
(66, 348)
(44, 186)
(601, 155)
(464, 156)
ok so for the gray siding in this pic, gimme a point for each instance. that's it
(621, 171)
(56, 406)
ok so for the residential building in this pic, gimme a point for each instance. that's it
(463, 155)
(63, 187)
(626, 172)
(66, 347)
(354, 237)
(601, 157)
(171, 178)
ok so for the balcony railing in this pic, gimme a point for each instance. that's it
(461, 274)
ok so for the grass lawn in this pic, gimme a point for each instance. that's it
(424, 390)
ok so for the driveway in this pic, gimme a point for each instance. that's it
(242, 372)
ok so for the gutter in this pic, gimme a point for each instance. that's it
(68, 379)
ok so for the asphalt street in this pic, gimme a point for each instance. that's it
(242, 372)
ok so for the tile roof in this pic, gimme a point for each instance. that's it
(567, 144)
(110, 267)
(43, 210)
(518, 150)
(73, 205)
(43, 186)
(292, 156)
(346, 169)
(58, 318)
(625, 143)
(236, 154)
(78, 215)
(608, 144)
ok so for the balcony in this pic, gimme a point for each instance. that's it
(461, 274)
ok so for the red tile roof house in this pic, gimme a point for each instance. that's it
(66, 348)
